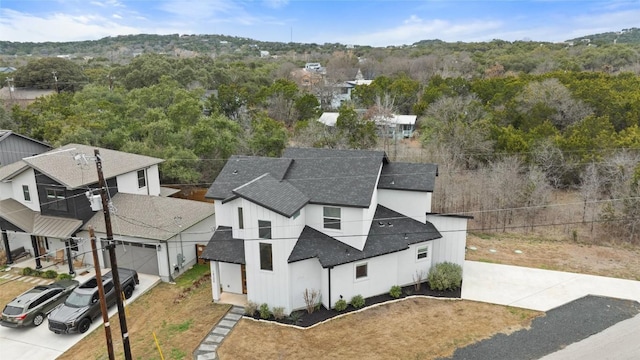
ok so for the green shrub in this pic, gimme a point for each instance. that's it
(251, 308)
(50, 274)
(278, 312)
(64, 276)
(295, 316)
(341, 305)
(36, 272)
(357, 301)
(264, 311)
(27, 271)
(395, 292)
(445, 276)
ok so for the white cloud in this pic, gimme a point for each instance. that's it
(17, 26)
(116, 16)
(276, 4)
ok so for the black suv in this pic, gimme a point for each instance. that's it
(82, 305)
(32, 306)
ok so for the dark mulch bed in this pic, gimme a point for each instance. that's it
(303, 319)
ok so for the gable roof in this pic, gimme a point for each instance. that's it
(239, 170)
(278, 196)
(151, 217)
(223, 247)
(335, 177)
(318, 176)
(6, 133)
(9, 171)
(390, 232)
(60, 165)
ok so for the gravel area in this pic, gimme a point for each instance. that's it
(560, 327)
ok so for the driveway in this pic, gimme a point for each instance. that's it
(40, 343)
(548, 291)
(538, 289)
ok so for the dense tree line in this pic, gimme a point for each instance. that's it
(520, 131)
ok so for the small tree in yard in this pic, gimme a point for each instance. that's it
(311, 298)
(445, 276)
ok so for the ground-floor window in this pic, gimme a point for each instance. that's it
(422, 252)
(361, 271)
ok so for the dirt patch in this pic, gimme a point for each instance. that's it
(541, 252)
(415, 328)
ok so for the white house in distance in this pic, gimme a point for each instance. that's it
(401, 126)
(45, 209)
(343, 222)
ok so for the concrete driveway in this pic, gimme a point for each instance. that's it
(538, 289)
(42, 344)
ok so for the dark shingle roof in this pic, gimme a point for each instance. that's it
(223, 247)
(408, 176)
(390, 232)
(335, 177)
(278, 196)
(239, 170)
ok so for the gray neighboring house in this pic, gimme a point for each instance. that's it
(15, 147)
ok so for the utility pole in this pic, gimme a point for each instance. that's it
(55, 78)
(112, 257)
(103, 300)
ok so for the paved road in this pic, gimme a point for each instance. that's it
(619, 342)
(42, 344)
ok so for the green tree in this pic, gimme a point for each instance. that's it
(359, 133)
(268, 136)
(51, 73)
(307, 107)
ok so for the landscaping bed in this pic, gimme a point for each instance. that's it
(303, 319)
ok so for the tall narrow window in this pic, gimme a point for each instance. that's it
(331, 217)
(264, 229)
(56, 199)
(266, 257)
(142, 180)
(240, 219)
(25, 192)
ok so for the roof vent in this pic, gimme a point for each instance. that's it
(235, 172)
(393, 182)
(380, 223)
(390, 224)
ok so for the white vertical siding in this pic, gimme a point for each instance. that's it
(128, 183)
(352, 222)
(263, 286)
(28, 178)
(214, 267)
(306, 274)
(231, 278)
(451, 247)
(413, 204)
(382, 274)
(410, 267)
(6, 190)
(224, 213)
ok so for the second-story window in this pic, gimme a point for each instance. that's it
(25, 192)
(264, 229)
(56, 199)
(331, 217)
(142, 180)
(240, 219)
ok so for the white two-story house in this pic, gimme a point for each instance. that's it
(341, 222)
(45, 207)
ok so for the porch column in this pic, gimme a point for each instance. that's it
(67, 245)
(215, 280)
(5, 240)
(36, 252)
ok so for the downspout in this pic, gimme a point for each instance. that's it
(329, 275)
(166, 245)
(67, 245)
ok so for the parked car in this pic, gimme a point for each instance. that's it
(32, 306)
(82, 306)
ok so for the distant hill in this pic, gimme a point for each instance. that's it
(624, 36)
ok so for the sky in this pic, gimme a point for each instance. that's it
(354, 22)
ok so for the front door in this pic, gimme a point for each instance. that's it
(243, 270)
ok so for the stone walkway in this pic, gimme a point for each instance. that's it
(209, 346)
(27, 279)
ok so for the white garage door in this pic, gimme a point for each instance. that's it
(141, 257)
